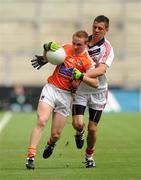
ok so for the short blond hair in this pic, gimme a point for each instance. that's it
(81, 34)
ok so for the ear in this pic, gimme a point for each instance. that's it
(107, 29)
(86, 43)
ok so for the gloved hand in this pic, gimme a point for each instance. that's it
(38, 62)
(77, 74)
(53, 46)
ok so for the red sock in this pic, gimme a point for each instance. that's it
(80, 131)
(89, 152)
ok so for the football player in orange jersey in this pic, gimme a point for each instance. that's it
(56, 98)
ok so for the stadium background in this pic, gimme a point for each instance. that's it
(26, 25)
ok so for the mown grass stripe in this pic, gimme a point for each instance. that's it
(4, 120)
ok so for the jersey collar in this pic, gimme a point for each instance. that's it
(98, 43)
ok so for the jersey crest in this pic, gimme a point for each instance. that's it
(79, 63)
(64, 71)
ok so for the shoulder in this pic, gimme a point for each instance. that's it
(102, 47)
(87, 60)
(108, 49)
(107, 44)
(67, 47)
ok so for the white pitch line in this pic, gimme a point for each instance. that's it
(4, 120)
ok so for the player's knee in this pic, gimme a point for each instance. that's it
(74, 125)
(77, 125)
(41, 121)
(92, 128)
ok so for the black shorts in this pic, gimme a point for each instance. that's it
(94, 115)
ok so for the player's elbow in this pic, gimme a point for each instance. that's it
(96, 83)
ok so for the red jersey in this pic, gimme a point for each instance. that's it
(63, 73)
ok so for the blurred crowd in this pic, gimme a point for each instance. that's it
(17, 100)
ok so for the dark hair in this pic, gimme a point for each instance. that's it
(102, 18)
(81, 34)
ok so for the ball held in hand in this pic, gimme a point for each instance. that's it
(56, 57)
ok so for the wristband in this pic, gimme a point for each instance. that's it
(81, 77)
(47, 46)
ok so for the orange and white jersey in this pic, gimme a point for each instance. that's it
(63, 73)
(101, 53)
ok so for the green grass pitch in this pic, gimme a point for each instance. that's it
(117, 156)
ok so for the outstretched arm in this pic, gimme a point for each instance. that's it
(38, 62)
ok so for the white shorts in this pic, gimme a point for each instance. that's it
(94, 101)
(60, 100)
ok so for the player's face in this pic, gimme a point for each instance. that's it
(99, 30)
(79, 45)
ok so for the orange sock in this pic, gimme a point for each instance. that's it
(31, 152)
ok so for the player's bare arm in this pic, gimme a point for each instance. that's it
(45, 55)
(93, 82)
(98, 71)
